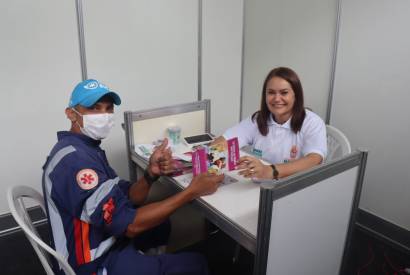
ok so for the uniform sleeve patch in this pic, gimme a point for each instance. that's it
(87, 179)
(108, 211)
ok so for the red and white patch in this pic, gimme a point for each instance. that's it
(87, 179)
(293, 152)
(108, 211)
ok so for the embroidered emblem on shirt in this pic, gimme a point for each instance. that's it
(293, 152)
(292, 155)
(87, 179)
(257, 152)
(108, 210)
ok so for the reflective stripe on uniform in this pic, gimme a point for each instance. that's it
(82, 243)
(81, 226)
(98, 195)
(60, 241)
(102, 248)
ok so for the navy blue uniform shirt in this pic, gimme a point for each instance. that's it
(87, 203)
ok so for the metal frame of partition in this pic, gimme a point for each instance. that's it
(82, 49)
(129, 117)
(334, 60)
(81, 38)
(271, 192)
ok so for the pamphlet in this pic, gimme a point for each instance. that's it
(233, 153)
(199, 161)
(214, 159)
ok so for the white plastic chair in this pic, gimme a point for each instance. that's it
(337, 143)
(15, 198)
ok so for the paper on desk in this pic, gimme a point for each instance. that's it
(144, 150)
(179, 151)
(185, 179)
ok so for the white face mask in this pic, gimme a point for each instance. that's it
(96, 126)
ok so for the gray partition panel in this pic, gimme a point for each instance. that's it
(130, 117)
(309, 227)
(305, 221)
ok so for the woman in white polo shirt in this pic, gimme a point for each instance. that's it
(282, 132)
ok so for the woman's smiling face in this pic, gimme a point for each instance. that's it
(280, 99)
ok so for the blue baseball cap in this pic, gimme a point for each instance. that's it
(89, 91)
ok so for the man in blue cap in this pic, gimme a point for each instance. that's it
(92, 212)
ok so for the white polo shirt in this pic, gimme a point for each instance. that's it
(281, 144)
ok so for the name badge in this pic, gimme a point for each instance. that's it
(257, 152)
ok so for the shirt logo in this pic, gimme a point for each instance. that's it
(257, 152)
(87, 179)
(293, 152)
(108, 210)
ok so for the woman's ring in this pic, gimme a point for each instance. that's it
(252, 171)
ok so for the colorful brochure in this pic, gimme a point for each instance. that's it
(199, 164)
(233, 153)
(214, 159)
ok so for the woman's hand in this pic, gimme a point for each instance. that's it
(220, 140)
(251, 167)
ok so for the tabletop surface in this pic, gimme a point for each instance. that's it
(234, 206)
(237, 199)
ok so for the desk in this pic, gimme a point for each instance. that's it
(233, 207)
(305, 218)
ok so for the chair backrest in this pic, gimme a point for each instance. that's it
(15, 197)
(337, 143)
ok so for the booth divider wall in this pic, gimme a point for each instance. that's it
(305, 221)
(146, 126)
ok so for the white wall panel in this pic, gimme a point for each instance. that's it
(371, 97)
(147, 51)
(222, 27)
(309, 227)
(291, 33)
(39, 66)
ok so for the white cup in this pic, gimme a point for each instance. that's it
(174, 134)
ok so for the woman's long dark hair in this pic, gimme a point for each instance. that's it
(298, 111)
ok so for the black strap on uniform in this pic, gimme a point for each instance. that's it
(91, 267)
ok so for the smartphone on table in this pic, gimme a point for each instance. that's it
(198, 139)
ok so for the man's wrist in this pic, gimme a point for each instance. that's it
(149, 178)
(190, 193)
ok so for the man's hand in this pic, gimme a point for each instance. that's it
(205, 184)
(152, 214)
(160, 162)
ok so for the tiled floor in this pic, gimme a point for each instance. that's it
(18, 257)
(368, 256)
